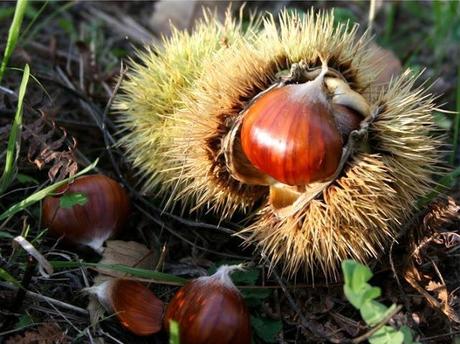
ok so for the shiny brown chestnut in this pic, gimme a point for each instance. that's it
(290, 134)
(102, 216)
(136, 306)
(210, 310)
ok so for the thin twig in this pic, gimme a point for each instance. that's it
(173, 232)
(450, 334)
(303, 321)
(39, 297)
(398, 281)
(373, 330)
(105, 134)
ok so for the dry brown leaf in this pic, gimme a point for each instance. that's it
(414, 278)
(386, 62)
(129, 253)
(441, 213)
(48, 333)
(184, 14)
(440, 290)
(47, 145)
(434, 228)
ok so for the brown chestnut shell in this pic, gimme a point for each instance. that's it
(209, 312)
(137, 307)
(102, 216)
(293, 139)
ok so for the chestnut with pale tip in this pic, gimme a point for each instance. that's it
(291, 137)
(295, 133)
(102, 216)
(210, 310)
(136, 306)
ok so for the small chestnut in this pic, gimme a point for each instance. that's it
(103, 215)
(136, 306)
(210, 310)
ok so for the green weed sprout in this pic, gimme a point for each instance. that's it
(375, 314)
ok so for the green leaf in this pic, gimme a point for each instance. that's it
(408, 338)
(174, 337)
(374, 312)
(14, 139)
(446, 182)
(442, 120)
(39, 195)
(342, 15)
(361, 274)
(6, 12)
(371, 293)
(67, 26)
(246, 277)
(387, 335)
(356, 288)
(24, 320)
(7, 277)
(255, 296)
(26, 179)
(355, 274)
(70, 199)
(266, 329)
(5, 235)
(13, 34)
(354, 298)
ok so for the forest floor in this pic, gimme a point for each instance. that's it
(74, 50)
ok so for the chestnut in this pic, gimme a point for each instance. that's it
(210, 310)
(290, 134)
(102, 216)
(136, 306)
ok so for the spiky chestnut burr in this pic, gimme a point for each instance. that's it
(388, 152)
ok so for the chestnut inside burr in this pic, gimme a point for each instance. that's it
(293, 135)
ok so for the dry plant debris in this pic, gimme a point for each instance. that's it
(50, 146)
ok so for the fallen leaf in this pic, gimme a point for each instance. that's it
(129, 253)
(47, 333)
(49, 145)
(386, 62)
(184, 14)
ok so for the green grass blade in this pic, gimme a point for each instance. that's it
(32, 22)
(46, 21)
(445, 183)
(141, 273)
(14, 140)
(39, 195)
(174, 337)
(7, 277)
(13, 34)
